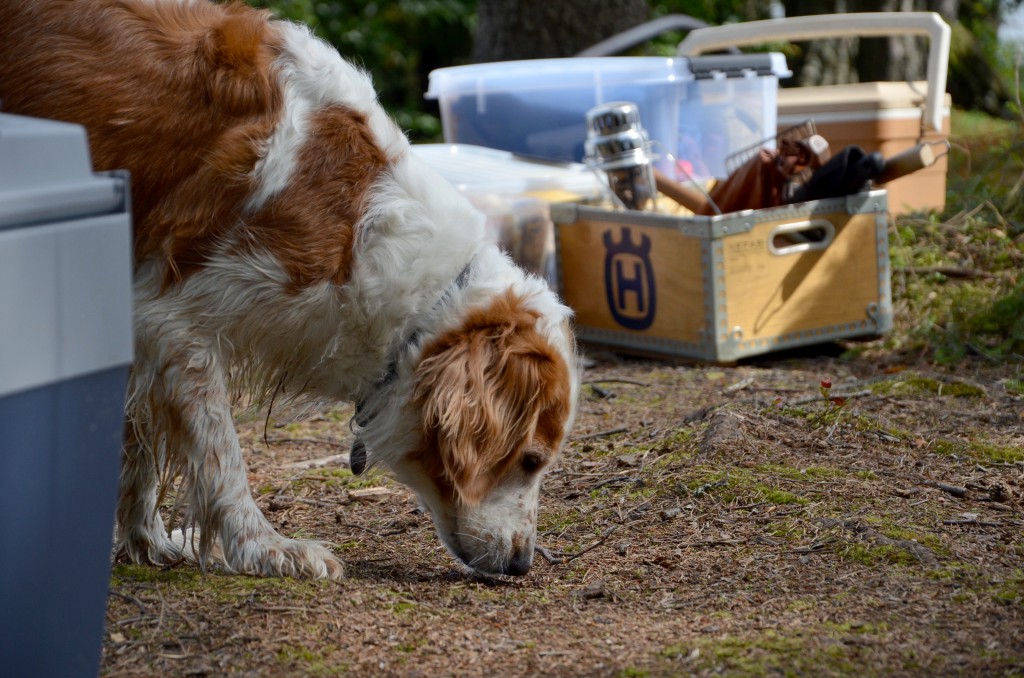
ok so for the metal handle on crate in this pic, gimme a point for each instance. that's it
(859, 24)
(801, 236)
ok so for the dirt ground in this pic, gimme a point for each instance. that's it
(702, 520)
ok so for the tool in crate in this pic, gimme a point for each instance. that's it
(797, 165)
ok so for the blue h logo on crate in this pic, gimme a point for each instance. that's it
(629, 280)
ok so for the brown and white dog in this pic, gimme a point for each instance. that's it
(289, 244)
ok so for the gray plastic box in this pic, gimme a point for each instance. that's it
(65, 348)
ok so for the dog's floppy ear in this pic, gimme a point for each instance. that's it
(482, 390)
(239, 52)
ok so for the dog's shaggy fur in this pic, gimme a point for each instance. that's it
(289, 245)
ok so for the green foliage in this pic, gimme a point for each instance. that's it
(981, 233)
(399, 43)
(712, 12)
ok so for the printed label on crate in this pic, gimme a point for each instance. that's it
(631, 278)
(629, 281)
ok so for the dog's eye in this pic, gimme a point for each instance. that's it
(532, 461)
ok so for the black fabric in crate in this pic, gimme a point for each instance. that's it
(847, 172)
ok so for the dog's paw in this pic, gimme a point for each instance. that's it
(148, 548)
(282, 557)
(266, 555)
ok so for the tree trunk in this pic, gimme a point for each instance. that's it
(533, 29)
(892, 59)
(867, 59)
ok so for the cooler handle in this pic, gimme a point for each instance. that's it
(863, 24)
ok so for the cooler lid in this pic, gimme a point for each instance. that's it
(65, 258)
(46, 174)
(853, 97)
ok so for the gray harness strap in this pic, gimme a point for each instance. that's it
(363, 414)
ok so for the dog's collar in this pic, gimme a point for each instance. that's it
(363, 413)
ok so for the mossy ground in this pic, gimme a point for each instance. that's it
(702, 520)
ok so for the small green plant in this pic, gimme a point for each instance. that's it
(833, 405)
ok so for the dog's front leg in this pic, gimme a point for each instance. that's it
(142, 537)
(190, 417)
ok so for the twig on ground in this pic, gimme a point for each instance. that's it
(314, 441)
(603, 434)
(360, 527)
(131, 599)
(280, 498)
(746, 507)
(954, 490)
(320, 462)
(616, 380)
(548, 556)
(739, 385)
(948, 271)
(817, 397)
(974, 521)
(816, 547)
(712, 542)
(559, 557)
(616, 479)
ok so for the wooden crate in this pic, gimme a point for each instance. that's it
(726, 287)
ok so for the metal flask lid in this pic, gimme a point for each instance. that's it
(616, 116)
(622, 149)
(618, 144)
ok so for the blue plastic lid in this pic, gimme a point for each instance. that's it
(535, 74)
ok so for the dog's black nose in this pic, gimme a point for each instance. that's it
(520, 563)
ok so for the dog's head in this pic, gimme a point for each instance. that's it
(495, 398)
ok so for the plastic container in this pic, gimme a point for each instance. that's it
(476, 170)
(537, 107)
(514, 194)
(731, 105)
(695, 112)
(65, 348)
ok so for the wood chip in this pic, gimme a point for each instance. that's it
(629, 460)
(725, 428)
(594, 589)
(369, 494)
(321, 462)
(669, 514)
